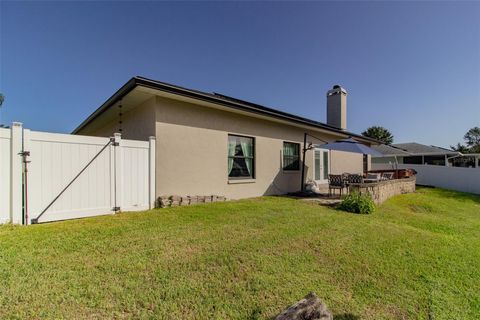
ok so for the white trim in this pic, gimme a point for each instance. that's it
(240, 181)
(325, 179)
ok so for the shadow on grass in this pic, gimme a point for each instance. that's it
(345, 316)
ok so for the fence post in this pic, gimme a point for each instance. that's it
(111, 150)
(16, 192)
(26, 196)
(151, 173)
(118, 155)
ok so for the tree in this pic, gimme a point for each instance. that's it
(472, 139)
(472, 142)
(379, 133)
(460, 148)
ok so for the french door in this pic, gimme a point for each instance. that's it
(321, 162)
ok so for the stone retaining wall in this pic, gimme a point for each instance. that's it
(173, 201)
(381, 191)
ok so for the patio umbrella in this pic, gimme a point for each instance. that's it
(347, 145)
(350, 145)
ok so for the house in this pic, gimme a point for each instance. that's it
(208, 143)
(416, 153)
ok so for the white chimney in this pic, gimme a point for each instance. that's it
(337, 107)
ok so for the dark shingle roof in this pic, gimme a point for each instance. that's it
(419, 149)
(214, 98)
(387, 150)
(412, 149)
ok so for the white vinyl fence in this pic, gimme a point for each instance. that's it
(50, 176)
(4, 175)
(453, 178)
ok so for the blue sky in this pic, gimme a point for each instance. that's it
(413, 67)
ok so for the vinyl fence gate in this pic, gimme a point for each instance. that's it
(49, 176)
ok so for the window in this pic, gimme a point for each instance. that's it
(321, 165)
(317, 165)
(434, 160)
(241, 157)
(325, 164)
(465, 161)
(412, 160)
(291, 156)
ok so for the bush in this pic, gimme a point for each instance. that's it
(357, 203)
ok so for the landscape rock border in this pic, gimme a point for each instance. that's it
(176, 200)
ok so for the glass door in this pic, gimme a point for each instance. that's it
(321, 165)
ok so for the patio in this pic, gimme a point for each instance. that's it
(380, 190)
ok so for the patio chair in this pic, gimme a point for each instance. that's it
(335, 181)
(345, 180)
(355, 178)
(373, 177)
(387, 176)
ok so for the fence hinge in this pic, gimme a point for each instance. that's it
(114, 143)
(116, 209)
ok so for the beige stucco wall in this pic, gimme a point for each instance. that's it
(192, 152)
(191, 149)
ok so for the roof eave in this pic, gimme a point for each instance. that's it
(140, 81)
(119, 94)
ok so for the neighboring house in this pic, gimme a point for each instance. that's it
(468, 160)
(214, 144)
(416, 153)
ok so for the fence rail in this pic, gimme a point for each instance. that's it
(453, 178)
(71, 176)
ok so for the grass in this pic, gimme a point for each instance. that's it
(416, 257)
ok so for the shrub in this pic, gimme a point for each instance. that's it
(357, 203)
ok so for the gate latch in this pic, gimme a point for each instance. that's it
(24, 155)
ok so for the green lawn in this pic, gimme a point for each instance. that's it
(416, 257)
